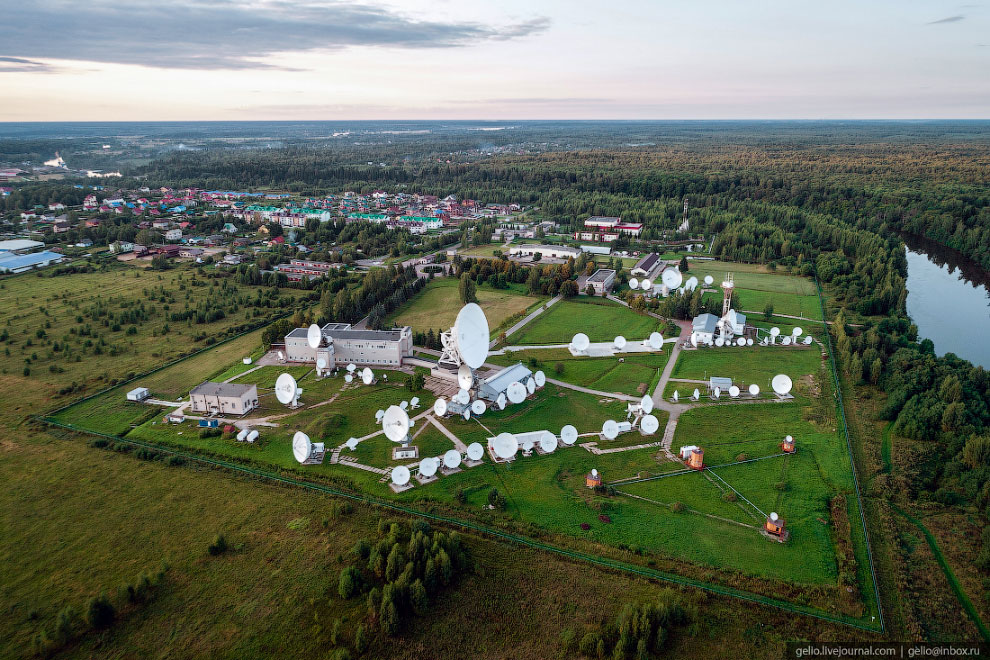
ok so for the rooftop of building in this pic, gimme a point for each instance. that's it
(222, 389)
(601, 275)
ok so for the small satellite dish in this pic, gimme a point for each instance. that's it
(241, 435)
(351, 367)
(798, 331)
(440, 407)
(348, 378)
(694, 339)
(452, 459)
(352, 443)
(281, 355)
(676, 396)
(646, 284)
(400, 475)
(774, 517)
(527, 444)
(774, 331)
(691, 284)
(749, 341)
(619, 342)
(696, 395)
(719, 341)
(501, 400)
(610, 429)
(465, 377)
(568, 435)
(302, 448)
(634, 284)
(717, 392)
(378, 415)
(463, 397)
(367, 376)
(505, 445)
(649, 424)
(414, 402)
(516, 392)
(540, 378)
(594, 472)
(672, 278)
(741, 341)
(807, 340)
(404, 405)
(781, 384)
(580, 342)
(428, 467)
(478, 407)
(530, 385)
(786, 341)
(471, 333)
(655, 341)
(285, 389)
(548, 442)
(709, 280)
(733, 391)
(475, 451)
(754, 389)
(246, 360)
(395, 423)
(788, 438)
(321, 364)
(314, 336)
(467, 414)
(646, 404)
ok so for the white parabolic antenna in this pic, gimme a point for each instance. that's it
(465, 377)
(367, 376)
(501, 400)
(646, 284)
(741, 341)
(301, 446)
(798, 331)
(313, 336)
(516, 392)
(351, 367)
(696, 395)
(352, 443)
(774, 331)
(285, 388)
(649, 424)
(321, 364)
(281, 355)
(478, 407)
(505, 445)
(580, 342)
(414, 402)
(452, 459)
(774, 516)
(719, 341)
(788, 438)
(672, 278)
(540, 378)
(807, 340)
(548, 442)
(634, 284)
(781, 384)
(646, 404)
(475, 451)
(530, 385)
(610, 429)
(656, 341)
(348, 378)
(463, 397)
(400, 475)
(620, 342)
(440, 407)
(786, 341)
(754, 389)
(527, 444)
(428, 467)
(471, 331)
(676, 395)
(395, 423)
(467, 414)
(717, 392)
(568, 435)
(709, 280)
(733, 391)
(252, 436)
(692, 283)
(749, 341)
(404, 405)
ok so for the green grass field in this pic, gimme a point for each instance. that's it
(601, 320)
(605, 374)
(783, 303)
(757, 364)
(751, 276)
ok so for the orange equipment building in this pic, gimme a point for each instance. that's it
(593, 479)
(696, 461)
(788, 445)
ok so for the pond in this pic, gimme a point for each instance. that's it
(949, 300)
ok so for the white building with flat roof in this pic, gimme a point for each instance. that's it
(551, 251)
(601, 281)
(224, 398)
(343, 345)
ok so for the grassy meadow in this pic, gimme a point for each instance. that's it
(600, 319)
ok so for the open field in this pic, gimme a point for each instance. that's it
(783, 303)
(756, 364)
(436, 306)
(600, 319)
(605, 374)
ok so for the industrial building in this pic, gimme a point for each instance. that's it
(601, 281)
(650, 266)
(19, 246)
(299, 269)
(550, 251)
(343, 345)
(18, 263)
(224, 398)
(703, 328)
(492, 386)
(606, 229)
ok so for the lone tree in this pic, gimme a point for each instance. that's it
(468, 290)
(683, 265)
(768, 310)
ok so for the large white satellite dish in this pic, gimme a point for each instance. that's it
(285, 388)
(475, 451)
(395, 423)
(580, 342)
(655, 341)
(719, 341)
(754, 389)
(400, 475)
(505, 445)
(733, 391)
(741, 341)
(646, 284)
(548, 442)
(351, 367)
(786, 341)
(634, 284)
(568, 435)
(452, 459)
(471, 331)
(302, 448)
(367, 376)
(610, 429)
(709, 280)
(646, 404)
(649, 424)
(798, 331)
(440, 407)
(692, 283)
(478, 407)
(465, 377)
(463, 397)
(619, 342)
(774, 331)
(428, 467)
(781, 384)
(672, 278)
(314, 336)
(501, 401)
(516, 392)
(540, 378)
(530, 385)
(773, 516)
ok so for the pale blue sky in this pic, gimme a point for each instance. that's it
(513, 59)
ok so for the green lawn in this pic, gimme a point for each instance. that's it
(749, 276)
(755, 364)
(783, 303)
(601, 320)
(636, 371)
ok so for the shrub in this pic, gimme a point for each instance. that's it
(99, 612)
(677, 507)
(350, 583)
(729, 496)
(219, 545)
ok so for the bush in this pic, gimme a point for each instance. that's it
(349, 584)
(677, 507)
(729, 496)
(219, 545)
(99, 612)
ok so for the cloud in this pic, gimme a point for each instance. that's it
(948, 19)
(225, 34)
(19, 65)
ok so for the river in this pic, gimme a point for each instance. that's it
(949, 300)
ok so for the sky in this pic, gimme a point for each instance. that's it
(118, 60)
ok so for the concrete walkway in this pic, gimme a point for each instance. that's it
(593, 448)
(458, 444)
(587, 390)
(532, 315)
